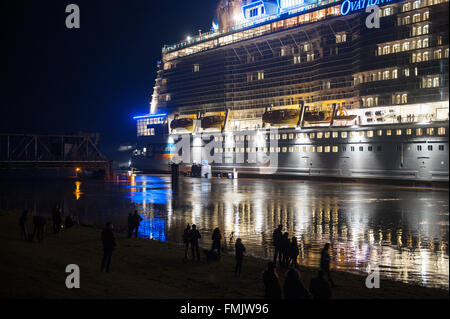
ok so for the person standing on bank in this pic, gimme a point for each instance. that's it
(109, 244)
(195, 236)
(137, 222)
(293, 252)
(276, 239)
(240, 250)
(186, 240)
(285, 243)
(217, 239)
(23, 225)
(325, 262)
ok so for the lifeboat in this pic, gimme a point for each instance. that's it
(341, 115)
(183, 123)
(282, 117)
(316, 117)
(213, 121)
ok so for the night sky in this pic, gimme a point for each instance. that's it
(93, 79)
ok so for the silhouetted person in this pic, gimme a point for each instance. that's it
(325, 262)
(272, 288)
(131, 224)
(69, 222)
(293, 252)
(319, 287)
(217, 239)
(23, 225)
(195, 236)
(293, 287)
(285, 243)
(57, 219)
(186, 240)
(39, 228)
(137, 221)
(109, 244)
(240, 250)
(276, 239)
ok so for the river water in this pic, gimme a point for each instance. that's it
(403, 231)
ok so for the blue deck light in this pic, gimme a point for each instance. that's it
(149, 116)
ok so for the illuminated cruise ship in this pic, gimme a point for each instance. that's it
(306, 88)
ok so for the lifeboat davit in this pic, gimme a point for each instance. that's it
(341, 115)
(213, 121)
(183, 123)
(282, 117)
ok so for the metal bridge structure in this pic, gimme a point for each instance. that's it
(33, 151)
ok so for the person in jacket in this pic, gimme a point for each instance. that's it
(276, 240)
(293, 287)
(325, 262)
(240, 250)
(137, 222)
(216, 241)
(285, 243)
(109, 244)
(293, 252)
(195, 236)
(272, 288)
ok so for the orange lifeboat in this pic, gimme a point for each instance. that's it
(183, 123)
(282, 117)
(213, 121)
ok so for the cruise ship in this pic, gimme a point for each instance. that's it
(354, 89)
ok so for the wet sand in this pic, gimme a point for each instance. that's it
(149, 269)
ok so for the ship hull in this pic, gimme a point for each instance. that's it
(411, 158)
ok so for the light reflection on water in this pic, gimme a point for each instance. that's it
(402, 231)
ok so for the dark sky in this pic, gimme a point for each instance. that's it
(94, 79)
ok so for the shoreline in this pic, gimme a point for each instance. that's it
(143, 268)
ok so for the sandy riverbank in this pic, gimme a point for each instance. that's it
(148, 269)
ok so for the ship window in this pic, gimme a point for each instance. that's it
(291, 136)
(216, 139)
(216, 150)
(253, 150)
(319, 134)
(291, 149)
(361, 133)
(344, 134)
(335, 134)
(272, 149)
(284, 149)
(361, 148)
(278, 150)
(260, 75)
(247, 150)
(352, 148)
(297, 135)
(408, 131)
(430, 131)
(335, 149)
(319, 149)
(247, 138)
(305, 149)
(284, 136)
(297, 149)
(312, 135)
(327, 134)
(265, 149)
(221, 150)
(419, 147)
(419, 132)
(369, 133)
(370, 148)
(441, 131)
(379, 148)
(399, 132)
(441, 147)
(388, 132)
(430, 147)
(327, 149)
(242, 137)
(312, 149)
(272, 137)
(196, 67)
(344, 149)
(297, 59)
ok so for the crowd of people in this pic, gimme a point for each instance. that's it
(286, 254)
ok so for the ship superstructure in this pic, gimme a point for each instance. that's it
(312, 83)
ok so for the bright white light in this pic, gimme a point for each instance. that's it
(188, 39)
